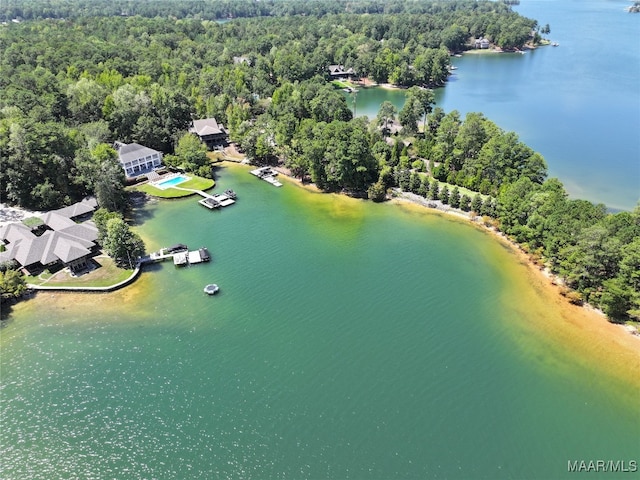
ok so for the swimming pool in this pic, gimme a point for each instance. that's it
(171, 182)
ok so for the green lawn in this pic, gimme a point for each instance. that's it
(342, 84)
(195, 183)
(107, 274)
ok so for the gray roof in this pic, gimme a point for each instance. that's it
(133, 151)
(70, 242)
(30, 252)
(55, 221)
(339, 70)
(86, 231)
(66, 241)
(80, 208)
(69, 250)
(14, 232)
(207, 126)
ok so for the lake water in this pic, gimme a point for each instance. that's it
(349, 340)
(577, 104)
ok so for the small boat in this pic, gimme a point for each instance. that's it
(231, 194)
(555, 44)
(211, 289)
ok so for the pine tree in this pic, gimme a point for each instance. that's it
(404, 180)
(434, 191)
(414, 183)
(444, 195)
(476, 203)
(423, 191)
(454, 200)
(489, 208)
(465, 203)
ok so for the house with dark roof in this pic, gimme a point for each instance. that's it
(212, 133)
(64, 242)
(79, 210)
(338, 71)
(137, 159)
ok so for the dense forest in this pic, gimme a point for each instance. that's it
(218, 9)
(75, 76)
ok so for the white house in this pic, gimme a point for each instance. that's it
(137, 159)
(482, 43)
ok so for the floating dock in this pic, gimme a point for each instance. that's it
(267, 174)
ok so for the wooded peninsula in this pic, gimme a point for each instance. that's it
(78, 76)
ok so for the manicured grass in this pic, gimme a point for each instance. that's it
(195, 183)
(107, 274)
(198, 183)
(342, 84)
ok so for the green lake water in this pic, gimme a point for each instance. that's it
(350, 340)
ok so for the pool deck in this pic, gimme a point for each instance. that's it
(165, 181)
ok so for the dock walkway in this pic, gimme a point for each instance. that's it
(210, 201)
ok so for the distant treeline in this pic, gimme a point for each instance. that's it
(217, 9)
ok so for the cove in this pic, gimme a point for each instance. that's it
(577, 104)
(349, 340)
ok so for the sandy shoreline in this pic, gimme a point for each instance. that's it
(548, 281)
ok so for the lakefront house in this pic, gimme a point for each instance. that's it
(482, 43)
(137, 159)
(338, 71)
(211, 133)
(59, 242)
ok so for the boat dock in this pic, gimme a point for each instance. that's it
(267, 174)
(192, 257)
(180, 255)
(215, 201)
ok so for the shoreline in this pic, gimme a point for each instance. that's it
(551, 280)
(566, 332)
